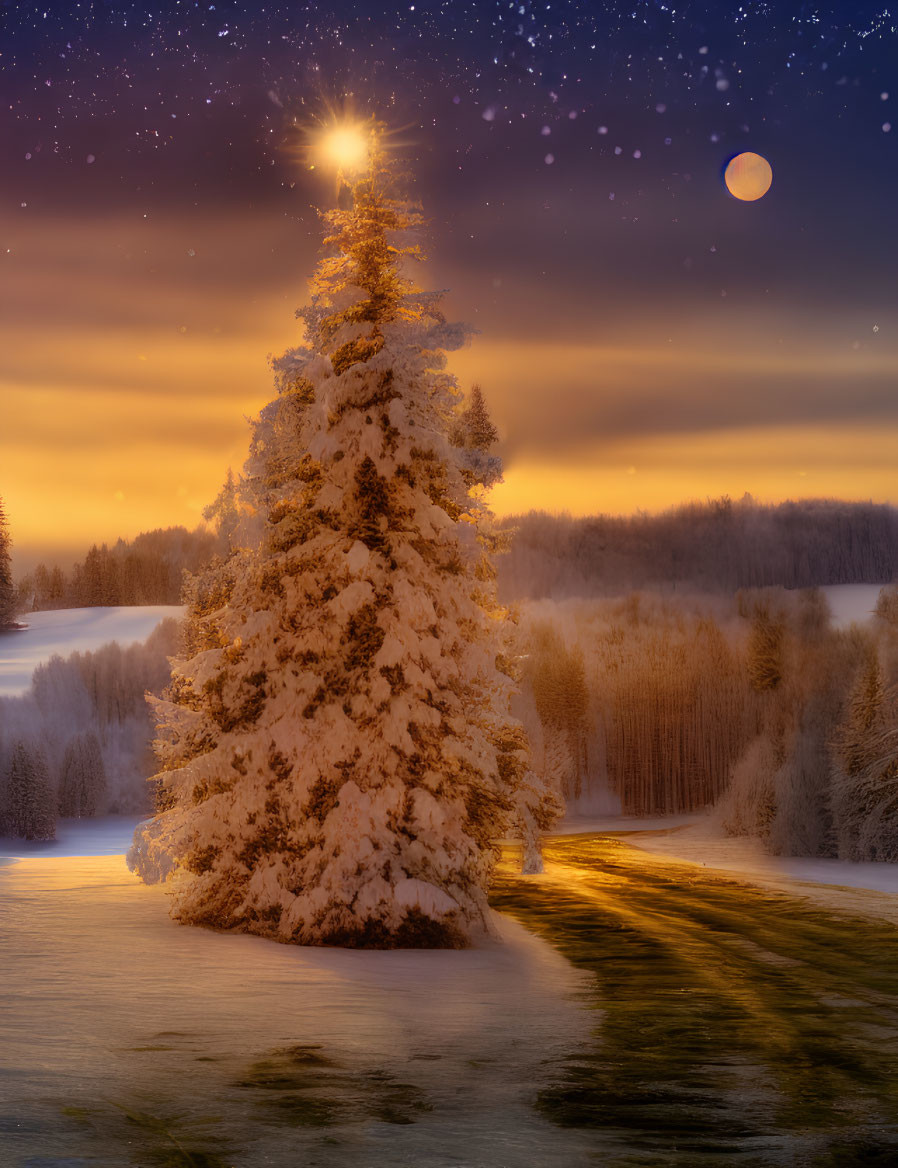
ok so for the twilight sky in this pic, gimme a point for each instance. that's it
(644, 336)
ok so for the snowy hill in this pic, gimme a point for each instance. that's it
(851, 603)
(72, 630)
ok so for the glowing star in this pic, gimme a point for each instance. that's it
(345, 148)
(748, 177)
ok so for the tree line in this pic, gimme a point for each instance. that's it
(146, 570)
(8, 598)
(720, 545)
(754, 705)
(645, 697)
(717, 546)
(820, 776)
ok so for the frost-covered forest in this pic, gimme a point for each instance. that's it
(756, 705)
(78, 743)
(717, 546)
(148, 569)
(650, 702)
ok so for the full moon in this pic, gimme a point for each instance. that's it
(748, 176)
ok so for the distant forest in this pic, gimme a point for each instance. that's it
(78, 743)
(717, 546)
(146, 570)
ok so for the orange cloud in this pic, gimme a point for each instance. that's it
(128, 365)
(653, 473)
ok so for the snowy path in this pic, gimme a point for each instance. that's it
(869, 889)
(738, 1025)
(126, 1037)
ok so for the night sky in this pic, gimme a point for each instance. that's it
(644, 336)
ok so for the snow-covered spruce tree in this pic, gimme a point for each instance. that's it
(7, 590)
(82, 780)
(30, 799)
(748, 806)
(337, 757)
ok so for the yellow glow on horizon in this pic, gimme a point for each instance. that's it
(658, 472)
(131, 418)
(748, 176)
(165, 435)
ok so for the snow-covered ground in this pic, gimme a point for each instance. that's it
(71, 630)
(125, 1035)
(110, 1008)
(110, 835)
(851, 603)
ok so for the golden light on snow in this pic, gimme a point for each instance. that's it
(345, 147)
(748, 176)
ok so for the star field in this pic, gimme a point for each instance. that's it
(124, 85)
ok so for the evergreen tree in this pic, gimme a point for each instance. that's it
(887, 606)
(864, 720)
(474, 435)
(82, 782)
(7, 589)
(803, 824)
(31, 805)
(480, 433)
(336, 749)
(748, 807)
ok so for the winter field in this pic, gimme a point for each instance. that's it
(630, 1011)
(130, 1040)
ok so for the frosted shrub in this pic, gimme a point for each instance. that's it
(802, 824)
(749, 805)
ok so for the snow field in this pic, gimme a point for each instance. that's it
(112, 1006)
(71, 630)
(851, 603)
